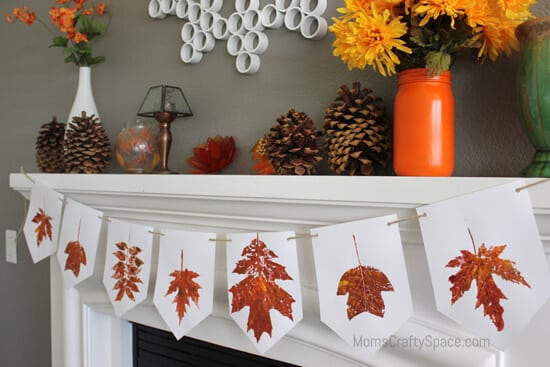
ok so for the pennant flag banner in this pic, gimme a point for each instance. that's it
(127, 264)
(485, 257)
(265, 297)
(486, 261)
(184, 290)
(364, 293)
(78, 242)
(42, 223)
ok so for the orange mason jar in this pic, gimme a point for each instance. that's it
(423, 128)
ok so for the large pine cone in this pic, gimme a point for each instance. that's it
(49, 147)
(87, 147)
(292, 145)
(358, 135)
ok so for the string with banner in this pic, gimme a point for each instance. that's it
(265, 297)
(184, 289)
(78, 242)
(127, 264)
(362, 281)
(496, 224)
(486, 261)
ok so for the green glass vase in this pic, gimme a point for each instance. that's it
(533, 86)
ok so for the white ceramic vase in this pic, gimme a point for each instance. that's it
(84, 99)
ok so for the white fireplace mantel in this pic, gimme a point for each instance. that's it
(86, 333)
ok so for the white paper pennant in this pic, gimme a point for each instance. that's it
(184, 290)
(364, 293)
(484, 248)
(78, 242)
(265, 297)
(43, 220)
(127, 264)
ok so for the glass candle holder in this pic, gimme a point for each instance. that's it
(137, 147)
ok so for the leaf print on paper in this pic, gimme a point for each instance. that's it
(76, 254)
(44, 227)
(258, 290)
(186, 288)
(126, 271)
(364, 286)
(480, 266)
(77, 257)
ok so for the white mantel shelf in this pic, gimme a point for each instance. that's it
(85, 332)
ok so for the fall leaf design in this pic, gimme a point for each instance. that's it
(364, 286)
(126, 271)
(259, 290)
(77, 257)
(44, 228)
(480, 266)
(186, 288)
(77, 254)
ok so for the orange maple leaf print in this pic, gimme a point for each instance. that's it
(126, 271)
(364, 286)
(480, 266)
(258, 290)
(77, 257)
(186, 288)
(44, 227)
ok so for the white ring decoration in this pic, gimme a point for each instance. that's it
(252, 20)
(294, 18)
(256, 42)
(189, 54)
(243, 28)
(235, 44)
(313, 27)
(248, 63)
(155, 10)
(320, 7)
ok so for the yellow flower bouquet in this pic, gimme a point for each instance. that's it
(76, 22)
(396, 35)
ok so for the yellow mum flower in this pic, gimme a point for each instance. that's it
(433, 9)
(370, 39)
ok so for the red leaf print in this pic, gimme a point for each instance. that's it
(126, 271)
(186, 288)
(364, 286)
(480, 266)
(259, 290)
(44, 228)
(77, 257)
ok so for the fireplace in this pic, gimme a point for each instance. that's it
(86, 333)
(154, 347)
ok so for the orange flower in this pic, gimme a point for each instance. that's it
(23, 15)
(73, 23)
(79, 37)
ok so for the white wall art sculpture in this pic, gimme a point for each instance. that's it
(244, 29)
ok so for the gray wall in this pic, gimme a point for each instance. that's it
(35, 84)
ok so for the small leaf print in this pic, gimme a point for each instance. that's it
(186, 288)
(77, 257)
(44, 227)
(77, 254)
(258, 290)
(480, 266)
(364, 286)
(126, 271)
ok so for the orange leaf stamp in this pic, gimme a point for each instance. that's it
(258, 290)
(364, 286)
(480, 266)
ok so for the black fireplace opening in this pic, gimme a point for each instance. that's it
(158, 348)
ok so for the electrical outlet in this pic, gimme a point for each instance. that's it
(11, 246)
